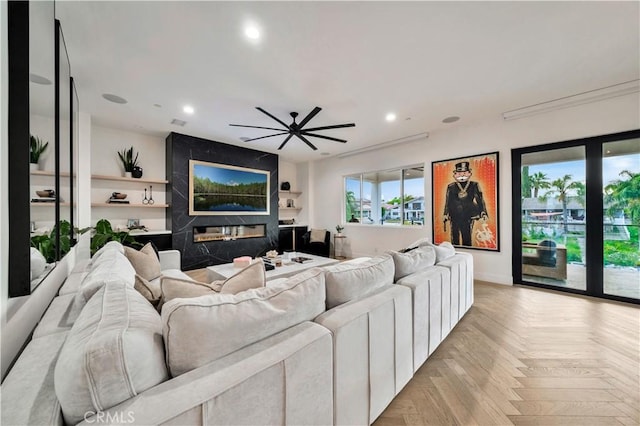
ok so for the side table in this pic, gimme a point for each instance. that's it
(338, 246)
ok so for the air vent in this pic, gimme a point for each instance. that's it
(177, 122)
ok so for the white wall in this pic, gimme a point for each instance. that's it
(297, 176)
(609, 116)
(105, 144)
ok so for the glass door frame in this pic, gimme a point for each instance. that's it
(594, 212)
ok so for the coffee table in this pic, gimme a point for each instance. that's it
(288, 268)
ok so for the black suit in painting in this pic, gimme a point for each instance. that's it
(463, 205)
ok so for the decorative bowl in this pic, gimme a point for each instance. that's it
(46, 193)
(119, 195)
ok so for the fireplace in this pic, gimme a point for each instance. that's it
(228, 232)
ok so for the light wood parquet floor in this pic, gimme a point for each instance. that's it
(527, 356)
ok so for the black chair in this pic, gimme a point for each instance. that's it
(316, 247)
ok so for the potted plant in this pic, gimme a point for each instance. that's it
(103, 233)
(129, 162)
(37, 147)
(339, 229)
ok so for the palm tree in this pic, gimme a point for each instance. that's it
(560, 188)
(525, 189)
(539, 181)
(624, 195)
(351, 204)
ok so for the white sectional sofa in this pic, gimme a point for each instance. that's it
(328, 346)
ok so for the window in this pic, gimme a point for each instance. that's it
(376, 197)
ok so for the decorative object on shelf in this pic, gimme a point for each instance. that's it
(118, 198)
(272, 254)
(37, 148)
(285, 186)
(290, 203)
(148, 201)
(136, 172)
(133, 223)
(297, 129)
(339, 229)
(128, 161)
(105, 233)
(151, 195)
(50, 193)
(118, 195)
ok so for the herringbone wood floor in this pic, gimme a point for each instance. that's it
(525, 356)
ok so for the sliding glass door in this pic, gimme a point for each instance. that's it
(576, 215)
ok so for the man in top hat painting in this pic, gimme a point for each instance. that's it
(464, 204)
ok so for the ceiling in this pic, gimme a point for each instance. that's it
(424, 61)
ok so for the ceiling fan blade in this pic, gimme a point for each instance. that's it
(256, 127)
(309, 116)
(285, 141)
(306, 141)
(272, 116)
(337, 126)
(324, 137)
(269, 136)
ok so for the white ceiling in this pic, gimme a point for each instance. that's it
(357, 60)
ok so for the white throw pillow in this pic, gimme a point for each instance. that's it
(38, 263)
(413, 261)
(444, 251)
(347, 282)
(317, 235)
(200, 330)
(113, 352)
(253, 276)
(426, 241)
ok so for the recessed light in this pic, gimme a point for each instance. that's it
(178, 122)
(188, 109)
(252, 32)
(451, 119)
(390, 117)
(38, 79)
(157, 105)
(114, 98)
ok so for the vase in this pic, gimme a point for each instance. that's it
(33, 166)
(137, 172)
(127, 175)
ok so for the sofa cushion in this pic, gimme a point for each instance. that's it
(109, 246)
(317, 235)
(113, 352)
(145, 261)
(200, 330)
(56, 317)
(412, 261)
(112, 267)
(347, 282)
(28, 396)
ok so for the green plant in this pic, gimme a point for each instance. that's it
(37, 147)
(46, 243)
(105, 233)
(339, 228)
(127, 159)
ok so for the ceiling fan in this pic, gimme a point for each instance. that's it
(296, 129)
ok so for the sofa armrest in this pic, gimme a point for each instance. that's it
(286, 378)
(169, 259)
(373, 357)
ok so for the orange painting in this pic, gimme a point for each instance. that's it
(465, 201)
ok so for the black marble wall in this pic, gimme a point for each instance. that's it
(181, 149)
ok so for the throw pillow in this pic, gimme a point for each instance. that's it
(317, 235)
(444, 251)
(426, 241)
(149, 289)
(409, 262)
(253, 276)
(174, 288)
(144, 261)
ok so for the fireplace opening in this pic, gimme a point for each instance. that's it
(228, 232)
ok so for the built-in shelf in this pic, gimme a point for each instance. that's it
(146, 206)
(37, 204)
(126, 179)
(290, 193)
(47, 173)
(297, 209)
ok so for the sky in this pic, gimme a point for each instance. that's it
(228, 176)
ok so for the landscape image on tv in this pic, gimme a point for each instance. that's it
(223, 189)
